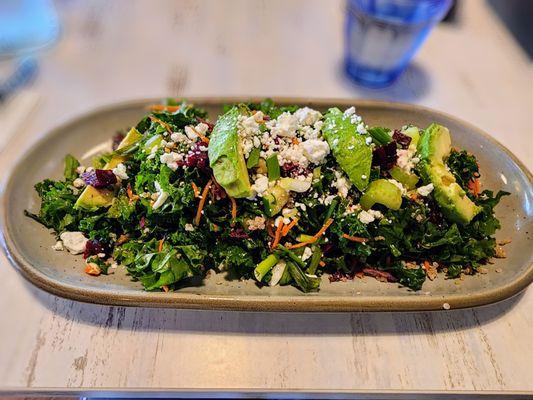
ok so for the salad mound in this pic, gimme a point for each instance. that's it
(279, 194)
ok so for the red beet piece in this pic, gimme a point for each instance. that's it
(99, 178)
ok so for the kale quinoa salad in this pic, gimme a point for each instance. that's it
(279, 194)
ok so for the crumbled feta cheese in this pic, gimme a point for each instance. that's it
(120, 171)
(260, 185)
(293, 154)
(361, 129)
(189, 227)
(369, 216)
(80, 170)
(171, 159)
(425, 190)
(179, 137)
(307, 254)
(74, 242)
(315, 150)
(58, 246)
(78, 183)
(202, 128)
(349, 111)
(191, 134)
(285, 125)
(368, 140)
(328, 199)
(398, 185)
(342, 184)
(406, 159)
(307, 116)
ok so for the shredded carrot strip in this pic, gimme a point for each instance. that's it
(160, 247)
(215, 228)
(161, 107)
(195, 189)
(354, 238)
(277, 236)
(425, 265)
(233, 208)
(203, 138)
(162, 123)
(315, 237)
(202, 202)
(474, 186)
(165, 288)
(322, 264)
(289, 226)
(295, 141)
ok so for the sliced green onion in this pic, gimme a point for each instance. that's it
(380, 135)
(273, 170)
(315, 260)
(265, 266)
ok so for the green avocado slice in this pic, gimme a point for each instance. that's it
(226, 156)
(348, 147)
(434, 147)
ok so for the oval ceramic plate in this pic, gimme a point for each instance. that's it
(28, 244)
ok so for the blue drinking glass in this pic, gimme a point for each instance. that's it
(382, 36)
(26, 26)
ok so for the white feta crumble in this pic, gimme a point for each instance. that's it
(58, 246)
(80, 170)
(315, 150)
(171, 159)
(361, 129)
(349, 111)
(260, 185)
(179, 137)
(406, 159)
(368, 140)
(190, 132)
(307, 116)
(398, 185)
(307, 254)
(285, 125)
(369, 216)
(120, 171)
(342, 184)
(78, 183)
(425, 190)
(74, 242)
(293, 154)
(189, 227)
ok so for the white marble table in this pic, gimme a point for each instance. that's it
(118, 50)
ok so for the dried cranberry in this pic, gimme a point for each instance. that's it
(238, 233)
(402, 139)
(94, 247)
(218, 191)
(197, 157)
(99, 178)
(117, 138)
(293, 169)
(385, 156)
